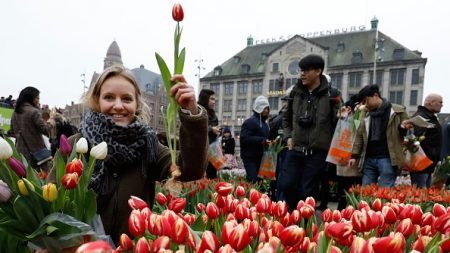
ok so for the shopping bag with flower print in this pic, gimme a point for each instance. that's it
(416, 161)
(268, 165)
(340, 151)
(215, 155)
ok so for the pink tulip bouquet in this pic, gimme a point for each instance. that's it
(48, 215)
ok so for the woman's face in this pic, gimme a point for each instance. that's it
(212, 102)
(118, 100)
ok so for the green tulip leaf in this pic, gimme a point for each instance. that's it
(24, 212)
(180, 62)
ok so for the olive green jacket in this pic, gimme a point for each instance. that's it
(393, 132)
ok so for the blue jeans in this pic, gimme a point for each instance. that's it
(299, 177)
(422, 180)
(378, 167)
(251, 166)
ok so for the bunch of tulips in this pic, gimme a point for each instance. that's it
(237, 220)
(51, 215)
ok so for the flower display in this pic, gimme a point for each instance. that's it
(50, 215)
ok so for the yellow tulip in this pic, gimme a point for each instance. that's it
(22, 188)
(49, 192)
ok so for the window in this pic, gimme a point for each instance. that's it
(242, 105)
(355, 79)
(357, 57)
(340, 47)
(415, 76)
(236, 59)
(227, 105)
(242, 87)
(273, 102)
(273, 85)
(257, 87)
(397, 76)
(336, 80)
(228, 89)
(217, 71)
(413, 97)
(396, 97)
(245, 69)
(275, 67)
(399, 53)
(216, 88)
(293, 68)
(379, 77)
(288, 83)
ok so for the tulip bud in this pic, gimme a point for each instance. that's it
(224, 188)
(377, 205)
(81, 146)
(161, 198)
(125, 242)
(263, 205)
(405, 227)
(439, 210)
(239, 238)
(17, 167)
(327, 215)
(136, 203)
(22, 188)
(177, 12)
(75, 166)
(49, 192)
(69, 180)
(177, 205)
(212, 210)
(254, 196)
(226, 249)
(136, 223)
(180, 232)
(389, 215)
(64, 146)
(5, 192)
(100, 151)
(339, 231)
(142, 246)
(336, 216)
(292, 236)
(310, 201)
(209, 242)
(396, 243)
(240, 191)
(5, 149)
(95, 247)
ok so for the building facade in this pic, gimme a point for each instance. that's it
(271, 68)
(149, 82)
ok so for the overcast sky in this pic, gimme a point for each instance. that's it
(49, 44)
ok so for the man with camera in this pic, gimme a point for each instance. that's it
(308, 125)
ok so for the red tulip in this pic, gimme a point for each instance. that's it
(75, 166)
(295, 217)
(180, 232)
(390, 244)
(277, 227)
(136, 223)
(389, 215)
(292, 236)
(226, 249)
(306, 245)
(239, 238)
(161, 198)
(421, 243)
(439, 210)
(307, 211)
(377, 205)
(327, 215)
(240, 191)
(358, 245)
(221, 201)
(200, 207)
(254, 196)
(177, 12)
(228, 226)
(17, 167)
(445, 246)
(253, 229)
(361, 221)
(442, 224)
(428, 219)
(263, 205)
(94, 247)
(405, 227)
(339, 231)
(425, 230)
(69, 180)
(136, 203)
(280, 209)
(125, 242)
(212, 210)
(162, 242)
(347, 212)
(208, 242)
(337, 216)
(335, 249)
(414, 212)
(177, 205)
(163, 226)
(310, 201)
(241, 212)
(64, 146)
(300, 204)
(224, 188)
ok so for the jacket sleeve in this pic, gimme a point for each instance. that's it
(359, 140)
(193, 158)
(44, 127)
(287, 120)
(248, 135)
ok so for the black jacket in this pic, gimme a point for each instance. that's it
(254, 132)
(432, 143)
(228, 145)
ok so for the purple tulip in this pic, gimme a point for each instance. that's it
(5, 192)
(64, 146)
(17, 167)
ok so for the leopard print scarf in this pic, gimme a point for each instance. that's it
(126, 145)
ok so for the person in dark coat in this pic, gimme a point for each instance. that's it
(255, 137)
(28, 126)
(228, 145)
(207, 99)
(432, 143)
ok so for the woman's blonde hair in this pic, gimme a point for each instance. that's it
(92, 97)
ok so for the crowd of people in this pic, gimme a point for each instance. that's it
(137, 156)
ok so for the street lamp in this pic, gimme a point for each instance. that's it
(374, 24)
